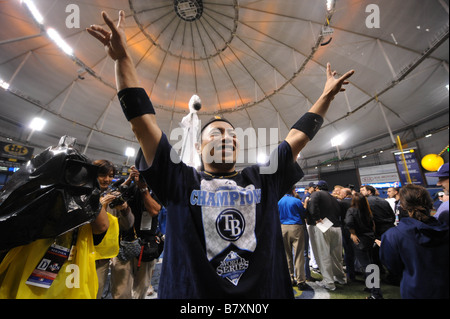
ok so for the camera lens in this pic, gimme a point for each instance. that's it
(77, 174)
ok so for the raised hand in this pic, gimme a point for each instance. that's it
(115, 40)
(335, 85)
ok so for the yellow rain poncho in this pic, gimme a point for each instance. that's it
(77, 278)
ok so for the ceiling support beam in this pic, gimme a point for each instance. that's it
(220, 56)
(103, 118)
(386, 58)
(445, 65)
(209, 68)
(444, 5)
(20, 67)
(9, 41)
(66, 97)
(386, 121)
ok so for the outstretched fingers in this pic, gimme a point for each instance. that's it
(346, 76)
(110, 23)
(101, 30)
(329, 73)
(99, 33)
(121, 23)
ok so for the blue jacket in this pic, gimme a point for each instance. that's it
(291, 210)
(420, 253)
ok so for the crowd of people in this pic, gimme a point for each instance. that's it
(362, 228)
(399, 235)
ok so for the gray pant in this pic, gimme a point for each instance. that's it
(327, 248)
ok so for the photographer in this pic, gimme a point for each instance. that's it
(69, 232)
(146, 209)
(111, 194)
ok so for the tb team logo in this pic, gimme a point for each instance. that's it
(230, 224)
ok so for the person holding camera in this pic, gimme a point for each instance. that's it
(146, 210)
(111, 194)
(60, 231)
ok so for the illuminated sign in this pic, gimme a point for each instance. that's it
(15, 152)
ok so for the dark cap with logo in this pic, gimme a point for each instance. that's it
(322, 185)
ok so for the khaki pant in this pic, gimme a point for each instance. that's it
(294, 246)
(127, 280)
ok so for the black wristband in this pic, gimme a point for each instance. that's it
(310, 124)
(135, 102)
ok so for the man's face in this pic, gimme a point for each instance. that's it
(219, 145)
(444, 182)
(391, 193)
(343, 193)
(364, 191)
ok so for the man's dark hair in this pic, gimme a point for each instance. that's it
(371, 189)
(291, 190)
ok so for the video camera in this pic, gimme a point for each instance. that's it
(53, 193)
(126, 192)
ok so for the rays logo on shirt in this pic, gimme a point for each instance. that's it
(230, 224)
(229, 218)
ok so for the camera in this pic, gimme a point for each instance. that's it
(126, 193)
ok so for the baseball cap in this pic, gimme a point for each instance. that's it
(215, 119)
(442, 172)
(322, 184)
(311, 184)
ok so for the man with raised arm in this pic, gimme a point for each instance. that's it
(223, 235)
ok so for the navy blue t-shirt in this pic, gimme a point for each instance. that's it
(223, 235)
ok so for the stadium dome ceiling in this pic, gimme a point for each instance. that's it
(261, 64)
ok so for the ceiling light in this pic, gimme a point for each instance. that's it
(34, 11)
(4, 85)
(364, 156)
(56, 37)
(337, 140)
(37, 124)
(130, 152)
(331, 4)
(393, 38)
(428, 135)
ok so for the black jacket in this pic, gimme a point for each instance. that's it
(383, 215)
(321, 205)
(363, 227)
